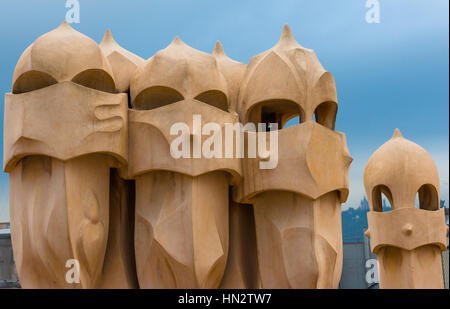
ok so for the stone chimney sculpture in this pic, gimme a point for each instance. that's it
(297, 204)
(242, 266)
(181, 227)
(65, 127)
(407, 241)
(108, 169)
(119, 270)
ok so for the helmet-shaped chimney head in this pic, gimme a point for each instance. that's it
(63, 54)
(399, 169)
(287, 81)
(176, 73)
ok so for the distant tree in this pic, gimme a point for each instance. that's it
(442, 204)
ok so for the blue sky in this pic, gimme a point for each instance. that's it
(388, 75)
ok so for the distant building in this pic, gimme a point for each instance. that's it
(446, 215)
(354, 267)
(4, 225)
(357, 249)
(8, 273)
(358, 267)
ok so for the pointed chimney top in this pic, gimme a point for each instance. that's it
(218, 50)
(287, 39)
(397, 133)
(108, 38)
(64, 24)
(287, 33)
(177, 41)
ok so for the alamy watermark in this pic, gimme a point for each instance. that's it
(372, 271)
(213, 147)
(373, 12)
(73, 14)
(73, 274)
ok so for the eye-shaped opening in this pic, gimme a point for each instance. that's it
(428, 197)
(325, 114)
(290, 121)
(92, 78)
(95, 79)
(155, 97)
(32, 80)
(382, 199)
(214, 98)
(275, 111)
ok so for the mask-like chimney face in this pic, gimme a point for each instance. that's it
(287, 81)
(407, 241)
(176, 84)
(297, 202)
(179, 200)
(178, 73)
(66, 128)
(279, 84)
